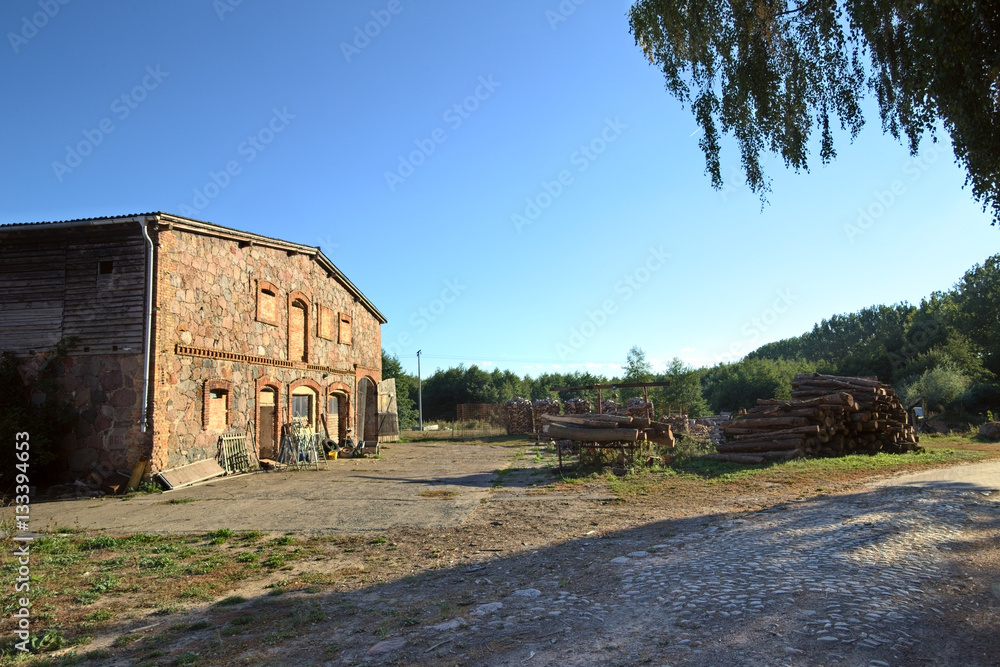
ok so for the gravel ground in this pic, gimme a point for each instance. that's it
(903, 571)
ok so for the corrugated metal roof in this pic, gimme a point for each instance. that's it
(64, 222)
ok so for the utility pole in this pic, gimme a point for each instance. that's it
(420, 395)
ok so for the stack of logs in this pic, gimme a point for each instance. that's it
(576, 406)
(610, 407)
(603, 428)
(827, 416)
(518, 413)
(545, 406)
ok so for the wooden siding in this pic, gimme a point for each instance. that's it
(50, 288)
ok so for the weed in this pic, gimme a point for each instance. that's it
(180, 501)
(155, 562)
(438, 493)
(242, 620)
(99, 542)
(219, 536)
(283, 540)
(50, 640)
(99, 615)
(198, 625)
(274, 561)
(126, 639)
(230, 601)
(252, 535)
(378, 540)
(247, 557)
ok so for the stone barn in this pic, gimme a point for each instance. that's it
(183, 330)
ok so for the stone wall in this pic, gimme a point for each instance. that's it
(106, 391)
(208, 329)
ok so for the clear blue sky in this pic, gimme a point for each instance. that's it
(119, 107)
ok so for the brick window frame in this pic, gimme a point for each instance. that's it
(206, 402)
(344, 329)
(267, 294)
(292, 298)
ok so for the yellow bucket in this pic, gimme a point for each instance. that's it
(332, 454)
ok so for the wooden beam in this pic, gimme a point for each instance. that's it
(624, 385)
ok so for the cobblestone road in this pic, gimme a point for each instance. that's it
(851, 579)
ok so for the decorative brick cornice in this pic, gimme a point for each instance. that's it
(188, 351)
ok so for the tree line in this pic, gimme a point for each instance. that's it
(943, 353)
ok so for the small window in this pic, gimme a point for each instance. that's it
(105, 268)
(267, 303)
(218, 409)
(345, 329)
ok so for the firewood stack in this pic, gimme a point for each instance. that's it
(637, 407)
(605, 428)
(545, 406)
(610, 407)
(518, 412)
(576, 406)
(827, 416)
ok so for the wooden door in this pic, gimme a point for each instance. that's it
(266, 428)
(388, 417)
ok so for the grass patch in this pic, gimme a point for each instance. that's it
(178, 501)
(438, 493)
(219, 536)
(231, 601)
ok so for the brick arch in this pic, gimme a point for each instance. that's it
(295, 336)
(211, 385)
(305, 382)
(261, 383)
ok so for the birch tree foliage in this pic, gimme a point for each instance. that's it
(778, 75)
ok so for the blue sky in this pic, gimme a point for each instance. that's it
(508, 188)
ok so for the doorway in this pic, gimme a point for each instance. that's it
(337, 416)
(267, 429)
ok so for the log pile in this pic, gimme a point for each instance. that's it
(638, 407)
(603, 428)
(545, 406)
(576, 406)
(518, 414)
(826, 416)
(679, 424)
(609, 407)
